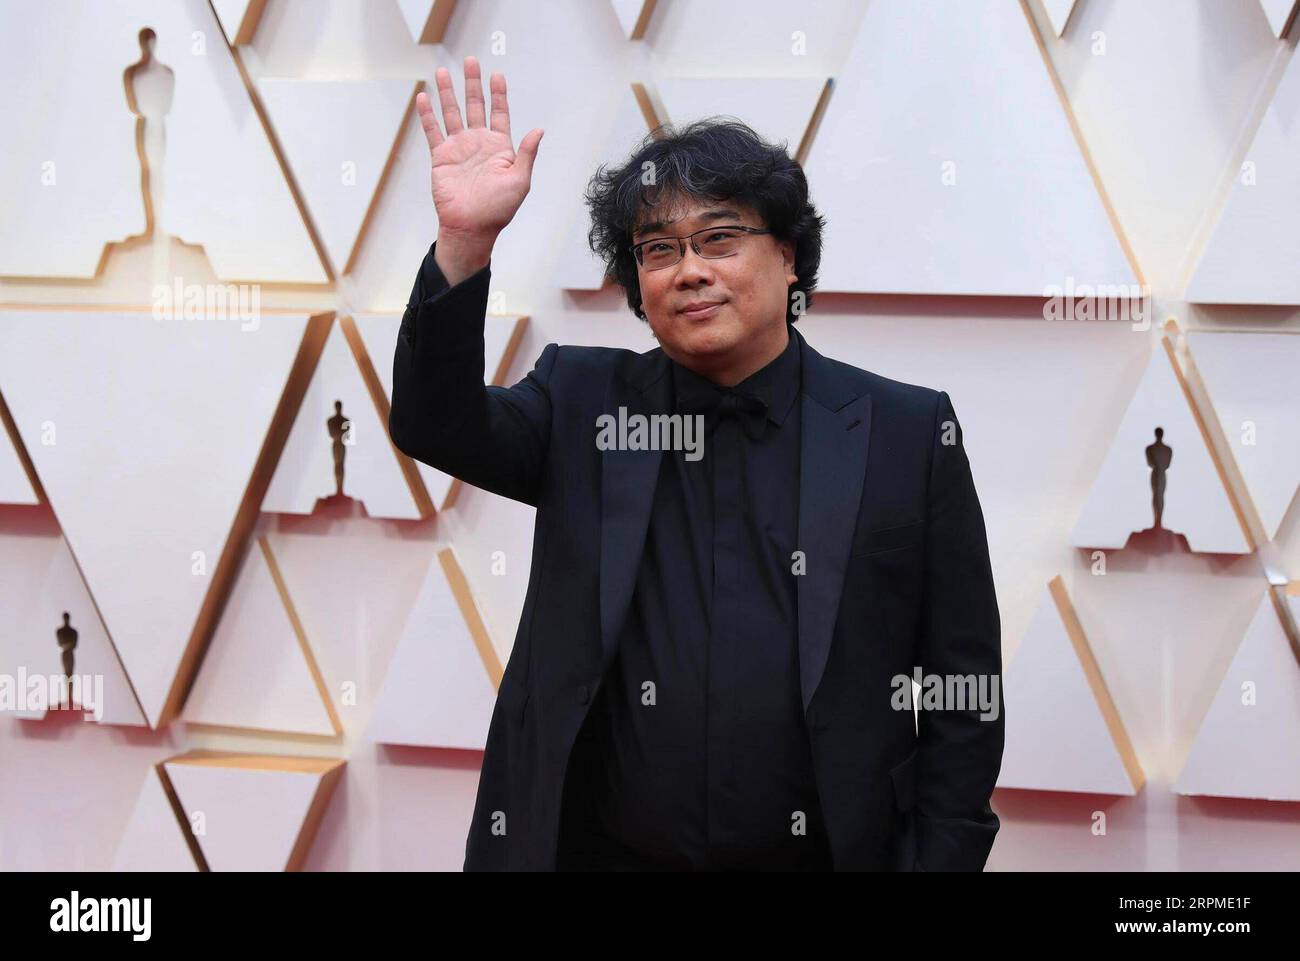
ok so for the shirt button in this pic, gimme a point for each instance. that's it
(584, 694)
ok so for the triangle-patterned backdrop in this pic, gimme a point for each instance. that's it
(1080, 218)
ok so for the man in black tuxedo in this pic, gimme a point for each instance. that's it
(721, 617)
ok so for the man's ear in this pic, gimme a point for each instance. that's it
(787, 255)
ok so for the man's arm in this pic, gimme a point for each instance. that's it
(492, 437)
(960, 754)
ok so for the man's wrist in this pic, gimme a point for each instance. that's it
(460, 255)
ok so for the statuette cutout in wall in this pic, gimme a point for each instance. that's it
(1142, 497)
(50, 629)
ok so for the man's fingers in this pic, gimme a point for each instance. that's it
(428, 121)
(447, 97)
(500, 106)
(474, 106)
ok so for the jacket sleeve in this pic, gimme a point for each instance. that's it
(443, 415)
(959, 751)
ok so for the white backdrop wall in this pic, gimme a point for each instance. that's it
(1167, 96)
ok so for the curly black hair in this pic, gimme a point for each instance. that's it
(714, 158)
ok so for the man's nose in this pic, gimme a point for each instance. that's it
(692, 267)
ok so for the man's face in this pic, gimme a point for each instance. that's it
(750, 288)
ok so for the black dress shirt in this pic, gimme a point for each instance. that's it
(695, 754)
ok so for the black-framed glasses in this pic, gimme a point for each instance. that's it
(719, 241)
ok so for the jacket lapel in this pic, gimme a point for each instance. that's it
(627, 488)
(835, 425)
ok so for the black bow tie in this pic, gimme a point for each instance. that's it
(715, 402)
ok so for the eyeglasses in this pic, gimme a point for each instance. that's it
(661, 252)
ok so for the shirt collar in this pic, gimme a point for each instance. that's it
(777, 383)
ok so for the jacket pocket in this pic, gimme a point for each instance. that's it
(888, 539)
(512, 699)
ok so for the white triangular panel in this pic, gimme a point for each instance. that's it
(956, 182)
(153, 840)
(578, 268)
(1056, 734)
(1252, 750)
(353, 584)
(1058, 12)
(251, 816)
(61, 203)
(1252, 254)
(416, 14)
(631, 15)
(386, 259)
(371, 472)
(231, 14)
(15, 485)
(437, 692)
(1279, 13)
(1251, 381)
(1196, 503)
(379, 334)
(255, 674)
(777, 108)
(39, 581)
(157, 404)
(337, 136)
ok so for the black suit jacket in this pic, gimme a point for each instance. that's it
(897, 576)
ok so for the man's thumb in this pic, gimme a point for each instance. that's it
(528, 148)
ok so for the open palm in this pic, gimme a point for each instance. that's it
(478, 180)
